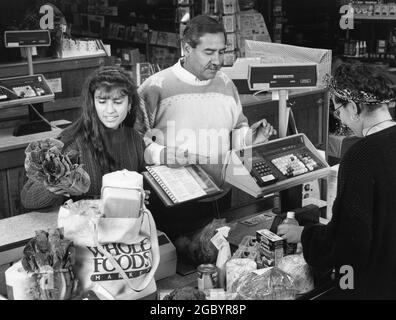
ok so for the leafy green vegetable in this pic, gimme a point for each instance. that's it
(50, 257)
(45, 162)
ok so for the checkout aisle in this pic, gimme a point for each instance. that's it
(16, 231)
(287, 164)
(303, 149)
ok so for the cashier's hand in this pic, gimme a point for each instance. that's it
(290, 232)
(146, 197)
(260, 132)
(177, 157)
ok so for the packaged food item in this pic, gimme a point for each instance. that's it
(122, 194)
(296, 266)
(223, 256)
(270, 247)
(290, 248)
(207, 276)
(265, 284)
(235, 268)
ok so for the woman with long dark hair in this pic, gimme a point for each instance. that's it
(103, 135)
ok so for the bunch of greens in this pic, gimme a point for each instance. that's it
(198, 248)
(50, 258)
(46, 163)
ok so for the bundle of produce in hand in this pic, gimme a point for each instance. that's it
(46, 163)
(198, 248)
(50, 257)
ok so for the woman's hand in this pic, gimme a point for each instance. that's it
(64, 192)
(290, 232)
(146, 197)
(58, 191)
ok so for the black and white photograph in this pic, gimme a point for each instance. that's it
(226, 152)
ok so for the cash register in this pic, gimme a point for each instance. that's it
(31, 90)
(276, 165)
(25, 90)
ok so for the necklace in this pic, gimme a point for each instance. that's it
(378, 123)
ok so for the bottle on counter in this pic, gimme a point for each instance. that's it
(290, 248)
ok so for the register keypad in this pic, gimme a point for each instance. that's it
(292, 165)
(263, 169)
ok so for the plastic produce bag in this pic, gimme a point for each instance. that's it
(265, 284)
(296, 266)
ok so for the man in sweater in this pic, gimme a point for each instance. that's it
(193, 114)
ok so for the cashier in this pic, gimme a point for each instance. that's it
(194, 115)
(103, 136)
(361, 234)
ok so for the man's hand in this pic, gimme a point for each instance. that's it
(290, 232)
(176, 157)
(147, 197)
(261, 131)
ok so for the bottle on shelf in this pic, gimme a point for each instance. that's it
(361, 48)
(365, 54)
(290, 248)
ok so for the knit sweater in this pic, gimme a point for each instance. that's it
(124, 144)
(362, 231)
(198, 116)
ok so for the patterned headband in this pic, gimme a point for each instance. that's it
(354, 95)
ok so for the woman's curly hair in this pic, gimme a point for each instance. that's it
(363, 78)
(89, 125)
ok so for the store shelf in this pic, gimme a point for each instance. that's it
(139, 43)
(365, 17)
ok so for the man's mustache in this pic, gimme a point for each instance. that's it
(213, 67)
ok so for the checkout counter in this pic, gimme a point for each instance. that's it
(310, 108)
(16, 231)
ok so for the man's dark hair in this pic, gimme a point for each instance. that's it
(199, 26)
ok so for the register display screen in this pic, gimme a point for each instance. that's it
(27, 38)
